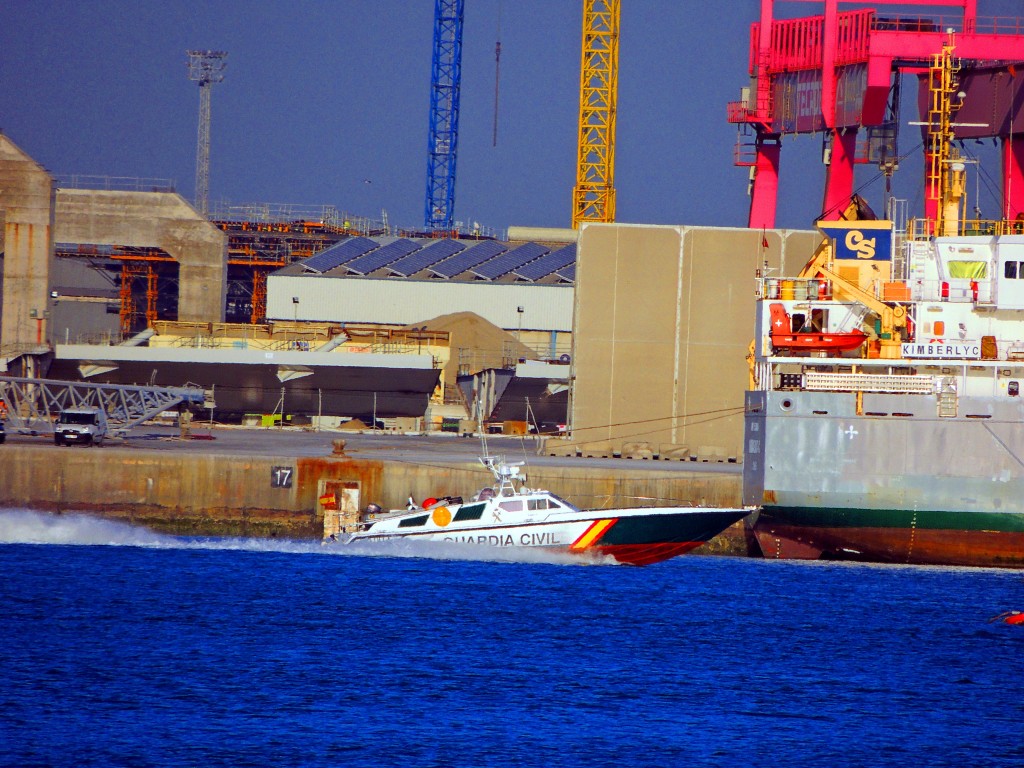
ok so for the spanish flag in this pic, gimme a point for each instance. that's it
(329, 500)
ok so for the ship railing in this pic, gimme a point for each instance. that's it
(954, 290)
(100, 339)
(114, 183)
(924, 229)
(869, 382)
(795, 289)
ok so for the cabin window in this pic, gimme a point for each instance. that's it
(412, 522)
(469, 512)
(1013, 389)
(516, 505)
(540, 504)
(1014, 270)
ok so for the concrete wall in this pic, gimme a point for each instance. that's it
(27, 217)
(178, 492)
(663, 319)
(34, 215)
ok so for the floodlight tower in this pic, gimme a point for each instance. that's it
(205, 68)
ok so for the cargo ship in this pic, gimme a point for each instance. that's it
(885, 419)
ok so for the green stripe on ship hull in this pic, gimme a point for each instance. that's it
(683, 527)
(822, 517)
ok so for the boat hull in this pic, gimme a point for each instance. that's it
(634, 537)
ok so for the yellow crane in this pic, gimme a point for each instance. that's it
(594, 193)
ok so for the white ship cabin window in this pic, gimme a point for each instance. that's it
(516, 505)
(541, 503)
(1014, 270)
(1013, 389)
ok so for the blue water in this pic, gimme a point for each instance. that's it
(123, 647)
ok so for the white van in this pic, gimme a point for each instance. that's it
(85, 425)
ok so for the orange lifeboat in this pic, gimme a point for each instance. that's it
(782, 336)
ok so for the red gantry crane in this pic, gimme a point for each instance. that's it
(838, 74)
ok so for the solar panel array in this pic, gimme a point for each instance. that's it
(368, 262)
(338, 254)
(469, 258)
(548, 263)
(509, 260)
(447, 258)
(427, 257)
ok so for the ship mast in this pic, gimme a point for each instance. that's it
(946, 174)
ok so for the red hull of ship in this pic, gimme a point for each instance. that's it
(893, 545)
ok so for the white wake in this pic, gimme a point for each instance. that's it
(22, 526)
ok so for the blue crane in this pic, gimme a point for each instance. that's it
(446, 75)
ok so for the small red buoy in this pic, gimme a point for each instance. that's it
(428, 503)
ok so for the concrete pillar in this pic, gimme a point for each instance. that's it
(27, 215)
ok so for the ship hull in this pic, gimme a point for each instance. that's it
(256, 381)
(892, 536)
(892, 482)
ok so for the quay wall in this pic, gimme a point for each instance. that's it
(186, 493)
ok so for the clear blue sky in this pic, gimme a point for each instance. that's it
(319, 96)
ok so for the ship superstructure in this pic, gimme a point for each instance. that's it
(885, 419)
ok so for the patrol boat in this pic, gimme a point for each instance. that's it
(512, 515)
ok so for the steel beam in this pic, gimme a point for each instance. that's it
(33, 404)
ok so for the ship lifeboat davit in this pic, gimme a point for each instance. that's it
(783, 338)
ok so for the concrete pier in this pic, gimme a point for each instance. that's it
(264, 483)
